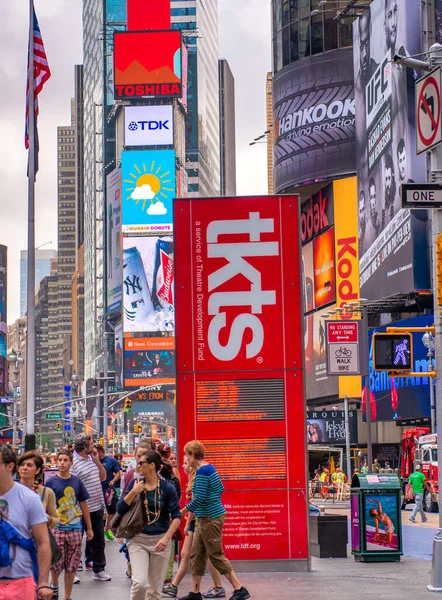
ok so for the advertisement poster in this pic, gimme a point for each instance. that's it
(148, 125)
(148, 283)
(143, 367)
(319, 384)
(403, 397)
(386, 146)
(355, 523)
(147, 63)
(328, 427)
(324, 262)
(314, 120)
(119, 355)
(114, 250)
(308, 272)
(381, 518)
(148, 191)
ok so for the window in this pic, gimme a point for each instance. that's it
(304, 38)
(286, 46)
(294, 42)
(317, 35)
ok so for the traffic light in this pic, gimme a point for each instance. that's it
(393, 351)
(138, 428)
(58, 426)
(439, 268)
(38, 430)
(127, 405)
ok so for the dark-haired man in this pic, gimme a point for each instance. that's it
(389, 190)
(88, 468)
(22, 516)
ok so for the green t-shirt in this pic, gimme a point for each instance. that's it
(417, 480)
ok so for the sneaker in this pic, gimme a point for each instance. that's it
(80, 566)
(192, 596)
(108, 533)
(241, 594)
(54, 591)
(77, 579)
(102, 576)
(412, 520)
(89, 565)
(424, 520)
(170, 590)
(215, 592)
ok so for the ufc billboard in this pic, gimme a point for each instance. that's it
(240, 385)
(148, 125)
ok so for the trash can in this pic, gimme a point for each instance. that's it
(328, 536)
(376, 527)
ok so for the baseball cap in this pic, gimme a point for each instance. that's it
(417, 467)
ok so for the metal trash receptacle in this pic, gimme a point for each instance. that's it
(376, 526)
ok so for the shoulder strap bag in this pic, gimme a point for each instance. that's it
(131, 523)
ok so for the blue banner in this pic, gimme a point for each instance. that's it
(148, 190)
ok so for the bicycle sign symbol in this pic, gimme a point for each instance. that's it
(343, 352)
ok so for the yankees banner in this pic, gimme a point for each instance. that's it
(391, 240)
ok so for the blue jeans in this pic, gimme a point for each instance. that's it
(418, 499)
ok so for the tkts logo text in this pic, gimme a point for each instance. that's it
(237, 301)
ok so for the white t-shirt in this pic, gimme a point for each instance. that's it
(88, 472)
(21, 508)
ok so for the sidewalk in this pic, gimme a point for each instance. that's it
(330, 579)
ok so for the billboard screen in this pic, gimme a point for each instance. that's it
(148, 191)
(148, 125)
(114, 250)
(148, 276)
(386, 149)
(119, 342)
(314, 120)
(149, 361)
(3, 283)
(324, 263)
(237, 371)
(328, 427)
(147, 64)
(148, 15)
(403, 397)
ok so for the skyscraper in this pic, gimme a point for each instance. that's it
(227, 129)
(269, 139)
(202, 123)
(43, 259)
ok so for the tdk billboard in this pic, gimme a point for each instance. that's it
(148, 126)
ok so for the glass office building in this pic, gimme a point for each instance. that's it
(43, 260)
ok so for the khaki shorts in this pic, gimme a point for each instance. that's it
(208, 543)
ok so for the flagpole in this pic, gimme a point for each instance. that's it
(30, 345)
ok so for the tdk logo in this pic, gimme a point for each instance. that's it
(148, 125)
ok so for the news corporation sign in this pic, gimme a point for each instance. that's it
(148, 126)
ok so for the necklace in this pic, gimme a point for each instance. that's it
(153, 516)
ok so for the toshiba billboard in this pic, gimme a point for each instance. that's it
(240, 365)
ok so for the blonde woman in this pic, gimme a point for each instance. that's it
(171, 589)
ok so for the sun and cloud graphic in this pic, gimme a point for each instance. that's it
(149, 185)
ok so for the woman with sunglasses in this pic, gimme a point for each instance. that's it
(149, 550)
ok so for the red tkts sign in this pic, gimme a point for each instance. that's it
(343, 331)
(235, 292)
(240, 387)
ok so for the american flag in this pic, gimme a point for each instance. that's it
(41, 75)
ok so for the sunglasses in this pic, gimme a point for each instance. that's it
(144, 462)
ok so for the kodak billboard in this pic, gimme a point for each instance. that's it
(147, 64)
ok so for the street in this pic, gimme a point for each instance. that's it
(330, 579)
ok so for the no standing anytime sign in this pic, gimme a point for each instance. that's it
(343, 348)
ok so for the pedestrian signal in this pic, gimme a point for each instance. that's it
(392, 352)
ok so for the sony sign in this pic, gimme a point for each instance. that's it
(246, 328)
(148, 125)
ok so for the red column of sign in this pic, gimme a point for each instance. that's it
(239, 363)
(142, 14)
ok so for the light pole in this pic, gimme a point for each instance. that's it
(428, 342)
(15, 357)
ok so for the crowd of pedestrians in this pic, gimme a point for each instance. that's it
(42, 527)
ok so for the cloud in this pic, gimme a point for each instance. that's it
(157, 209)
(144, 192)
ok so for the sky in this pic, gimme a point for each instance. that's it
(244, 42)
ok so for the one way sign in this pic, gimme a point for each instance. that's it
(428, 111)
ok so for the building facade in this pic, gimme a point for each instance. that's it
(269, 129)
(17, 341)
(44, 265)
(227, 137)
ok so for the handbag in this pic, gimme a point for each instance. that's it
(56, 553)
(409, 492)
(131, 523)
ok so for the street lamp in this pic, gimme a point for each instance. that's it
(428, 342)
(15, 357)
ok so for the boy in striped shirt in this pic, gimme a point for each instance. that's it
(210, 515)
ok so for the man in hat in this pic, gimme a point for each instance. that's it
(418, 482)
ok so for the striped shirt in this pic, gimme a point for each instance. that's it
(88, 472)
(207, 491)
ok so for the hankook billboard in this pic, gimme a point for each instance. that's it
(147, 64)
(391, 239)
(314, 120)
